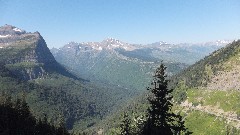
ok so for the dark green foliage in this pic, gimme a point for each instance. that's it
(16, 119)
(81, 103)
(159, 114)
(180, 92)
(160, 119)
(57, 92)
(135, 109)
(125, 125)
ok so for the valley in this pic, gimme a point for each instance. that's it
(119, 67)
(28, 68)
(90, 85)
(131, 65)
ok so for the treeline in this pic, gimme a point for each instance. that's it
(16, 119)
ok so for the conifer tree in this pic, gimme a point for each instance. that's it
(61, 130)
(16, 119)
(125, 126)
(160, 119)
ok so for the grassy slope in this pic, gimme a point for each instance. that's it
(221, 100)
(226, 100)
(204, 124)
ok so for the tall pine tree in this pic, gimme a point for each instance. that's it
(161, 120)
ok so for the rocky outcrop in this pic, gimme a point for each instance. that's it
(28, 56)
(11, 30)
(29, 73)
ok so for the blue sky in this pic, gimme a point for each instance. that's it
(133, 21)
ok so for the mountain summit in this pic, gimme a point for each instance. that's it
(9, 30)
(26, 54)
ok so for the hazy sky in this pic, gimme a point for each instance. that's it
(133, 21)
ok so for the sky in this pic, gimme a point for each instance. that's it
(132, 21)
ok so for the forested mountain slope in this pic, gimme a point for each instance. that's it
(28, 68)
(221, 65)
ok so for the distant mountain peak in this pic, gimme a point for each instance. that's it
(9, 30)
(219, 42)
(159, 43)
(112, 41)
(72, 43)
(223, 41)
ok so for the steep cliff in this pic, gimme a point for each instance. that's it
(26, 54)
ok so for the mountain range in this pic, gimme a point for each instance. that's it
(114, 62)
(90, 85)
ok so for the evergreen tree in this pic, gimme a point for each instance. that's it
(16, 119)
(125, 126)
(61, 130)
(160, 119)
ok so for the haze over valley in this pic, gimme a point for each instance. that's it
(171, 68)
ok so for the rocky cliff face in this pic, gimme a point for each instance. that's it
(25, 54)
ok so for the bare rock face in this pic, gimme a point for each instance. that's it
(25, 54)
(11, 30)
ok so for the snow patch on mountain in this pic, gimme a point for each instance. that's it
(107, 44)
(17, 30)
(4, 36)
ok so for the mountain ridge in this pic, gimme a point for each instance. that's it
(209, 66)
(92, 60)
(158, 50)
(29, 52)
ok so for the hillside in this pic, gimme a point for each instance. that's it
(108, 66)
(206, 94)
(219, 68)
(210, 88)
(29, 69)
(118, 63)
